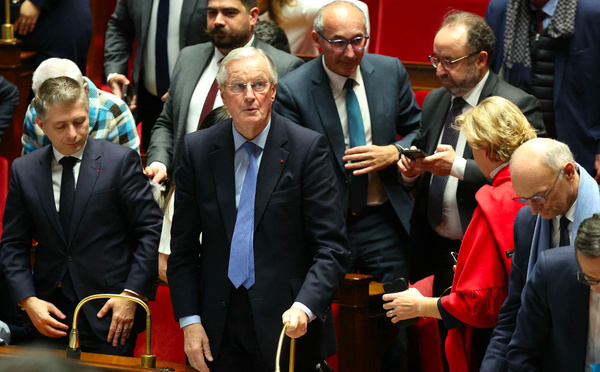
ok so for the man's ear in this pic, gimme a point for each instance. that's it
(315, 38)
(569, 171)
(40, 123)
(85, 86)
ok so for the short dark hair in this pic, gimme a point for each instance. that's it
(249, 4)
(480, 36)
(272, 34)
(587, 241)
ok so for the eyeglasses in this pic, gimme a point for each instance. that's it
(339, 45)
(238, 87)
(446, 63)
(582, 278)
(538, 199)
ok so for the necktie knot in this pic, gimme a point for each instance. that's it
(68, 162)
(251, 148)
(458, 104)
(349, 84)
(564, 239)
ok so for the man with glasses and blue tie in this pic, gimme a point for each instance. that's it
(274, 249)
(559, 322)
(362, 102)
(447, 180)
(559, 194)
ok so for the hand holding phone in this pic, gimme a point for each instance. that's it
(399, 285)
(414, 154)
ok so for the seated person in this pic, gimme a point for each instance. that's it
(110, 118)
(493, 129)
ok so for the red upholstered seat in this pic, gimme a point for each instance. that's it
(167, 337)
(406, 28)
(3, 187)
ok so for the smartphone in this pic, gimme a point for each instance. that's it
(414, 154)
(399, 285)
(127, 93)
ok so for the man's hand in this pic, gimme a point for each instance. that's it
(370, 158)
(39, 311)
(408, 167)
(117, 83)
(164, 97)
(155, 173)
(403, 305)
(298, 322)
(440, 163)
(123, 313)
(196, 346)
(28, 17)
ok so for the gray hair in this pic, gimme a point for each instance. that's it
(552, 153)
(58, 91)
(243, 53)
(55, 67)
(587, 240)
(480, 36)
(318, 23)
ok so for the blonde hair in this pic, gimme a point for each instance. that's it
(495, 124)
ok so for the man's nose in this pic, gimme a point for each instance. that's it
(219, 19)
(440, 70)
(349, 51)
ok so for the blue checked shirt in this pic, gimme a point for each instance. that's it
(110, 119)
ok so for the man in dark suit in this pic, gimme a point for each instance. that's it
(193, 91)
(314, 96)
(540, 168)
(551, 335)
(461, 52)
(547, 48)
(88, 205)
(149, 22)
(284, 251)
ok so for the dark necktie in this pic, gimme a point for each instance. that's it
(241, 255)
(209, 102)
(67, 193)
(438, 183)
(161, 52)
(358, 184)
(564, 232)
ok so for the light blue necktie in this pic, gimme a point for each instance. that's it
(241, 255)
(358, 184)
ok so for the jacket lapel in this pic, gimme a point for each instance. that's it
(221, 161)
(46, 191)
(489, 87)
(327, 110)
(272, 164)
(437, 122)
(376, 106)
(88, 174)
(146, 15)
(187, 10)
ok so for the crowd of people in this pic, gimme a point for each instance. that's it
(284, 175)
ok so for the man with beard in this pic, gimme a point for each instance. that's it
(193, 89)
(444, 205)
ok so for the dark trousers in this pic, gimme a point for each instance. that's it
(148, 110)
(378, 248)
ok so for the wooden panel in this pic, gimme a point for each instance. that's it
(422, 76)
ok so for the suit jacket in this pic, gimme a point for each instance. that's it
(114, 233)
(305, 97)
(576, 94)
(532, 235)
(435, 108)
(131, 20)
(300, 245)
(170, 127)
(549, 335)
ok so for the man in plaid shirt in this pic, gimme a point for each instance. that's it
(110, 118)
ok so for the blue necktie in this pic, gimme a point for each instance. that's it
(438, 183)
(241, 255)
(358, 184)
(161, 54)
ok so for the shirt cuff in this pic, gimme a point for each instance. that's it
(158, 164)
(189, 320)
(304, 308)
(110, 76)
(458, 168)
(4, 332)
(135, 294)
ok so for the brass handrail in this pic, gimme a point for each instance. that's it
(8, 32)
(292, 350)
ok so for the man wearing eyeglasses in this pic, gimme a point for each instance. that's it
(559, 323)
(362, 102)
(446, 181)
(559, 195)
(274, 249)
(193, 91)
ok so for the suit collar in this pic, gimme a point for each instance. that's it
(146, 15)
(46, 190)
(489, 87)
(188, 9)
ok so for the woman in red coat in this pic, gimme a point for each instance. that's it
(493, 129)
